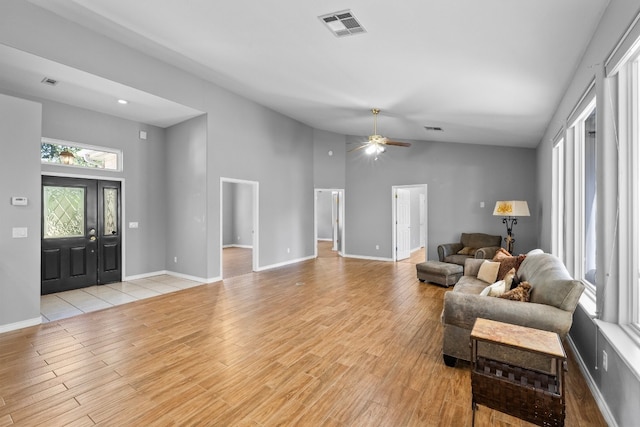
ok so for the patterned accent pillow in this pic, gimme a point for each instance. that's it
(521, 293)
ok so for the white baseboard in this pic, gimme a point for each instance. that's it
(370, 258)
(144, 275)
(174, 274)
(19, 325)
(282, 264)
(237, 246)
(602, 404)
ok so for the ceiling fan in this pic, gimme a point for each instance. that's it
(376, 144)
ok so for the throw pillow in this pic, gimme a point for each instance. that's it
(488, 271)
(497, 289)
(508, 278)
(465, 251)
(520, 293)
(501, 253)
(508, 263)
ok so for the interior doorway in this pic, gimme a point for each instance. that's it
(409, 220)
(81, 233)
(329, 222)
(238, 227)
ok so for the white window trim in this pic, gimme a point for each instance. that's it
(557, 198)
(577, 260)
(115, 151)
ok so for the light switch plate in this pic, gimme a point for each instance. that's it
(19, 232)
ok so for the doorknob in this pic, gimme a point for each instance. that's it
(92, 238)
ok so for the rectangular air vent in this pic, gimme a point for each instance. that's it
(434, 129)
(342, 23)
(49, 81)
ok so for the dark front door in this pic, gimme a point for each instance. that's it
(81, 240)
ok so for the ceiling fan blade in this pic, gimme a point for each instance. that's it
(396, 143)
(358, 148)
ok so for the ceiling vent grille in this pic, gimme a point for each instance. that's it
(49, 81)
(434, 129)
(342, 23)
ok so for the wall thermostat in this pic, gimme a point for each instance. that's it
(19, 201)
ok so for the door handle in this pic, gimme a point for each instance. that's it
(92, 238)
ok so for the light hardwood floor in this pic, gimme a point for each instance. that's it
(326, 342)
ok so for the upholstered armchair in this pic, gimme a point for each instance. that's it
(471, 245)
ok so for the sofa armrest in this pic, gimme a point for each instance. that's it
(447, 249)
(487, 253)
(462, 310)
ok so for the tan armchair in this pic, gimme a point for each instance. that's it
(480, 246)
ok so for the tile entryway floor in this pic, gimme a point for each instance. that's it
(71, 303)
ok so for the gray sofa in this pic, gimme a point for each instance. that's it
(554, 297)
(483, 245)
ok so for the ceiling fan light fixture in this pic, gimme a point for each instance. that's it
(374, 148)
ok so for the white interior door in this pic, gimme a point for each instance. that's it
(403, 224)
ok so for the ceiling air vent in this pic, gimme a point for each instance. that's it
(434, 128)
(49, 81)
(342, 23)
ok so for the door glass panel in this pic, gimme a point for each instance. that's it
(110, 211)
(64, 214)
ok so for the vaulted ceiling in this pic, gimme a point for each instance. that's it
(486, 72)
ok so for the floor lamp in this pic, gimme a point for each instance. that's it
(510, 210)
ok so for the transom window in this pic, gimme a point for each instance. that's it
(73, 154)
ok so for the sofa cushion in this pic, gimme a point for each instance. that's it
(469, 285)
(563, 294)
(489, 271)
(456, 259)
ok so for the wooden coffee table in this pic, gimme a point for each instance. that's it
(534, 396)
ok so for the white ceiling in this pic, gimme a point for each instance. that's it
(487, 72)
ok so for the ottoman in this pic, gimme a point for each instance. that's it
(442, 273)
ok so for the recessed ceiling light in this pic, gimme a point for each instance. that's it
(123, 101)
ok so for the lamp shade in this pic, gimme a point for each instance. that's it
(511, 208)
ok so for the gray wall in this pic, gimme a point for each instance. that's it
(415, 216)
(459, 177)
(237, 218)
(186, 209)
(228, 197)
(324, 215)
(143, 173)
(620, 385)
(328, 170)
(20, 123)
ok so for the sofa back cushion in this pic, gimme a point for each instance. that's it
(479, 240)
(550, 281)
